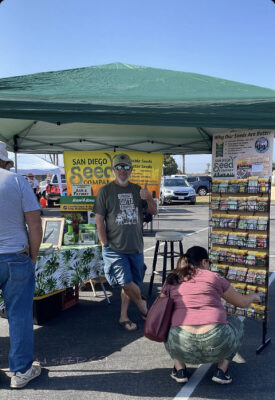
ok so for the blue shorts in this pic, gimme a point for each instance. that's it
(121, 269)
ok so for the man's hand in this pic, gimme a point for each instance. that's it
(144, 193)
(33, 220)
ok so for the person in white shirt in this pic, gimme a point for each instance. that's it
(34, 184)
(19, 248)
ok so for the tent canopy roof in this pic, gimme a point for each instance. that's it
(30, 163)
(126, 107)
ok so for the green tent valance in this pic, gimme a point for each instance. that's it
(126, 107)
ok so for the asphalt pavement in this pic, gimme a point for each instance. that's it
(85, 354)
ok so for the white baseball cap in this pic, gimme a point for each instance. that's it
(3, 152)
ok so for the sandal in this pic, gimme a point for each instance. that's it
(127, 325)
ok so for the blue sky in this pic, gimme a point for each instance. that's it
(227, 39)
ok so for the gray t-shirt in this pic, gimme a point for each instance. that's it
(16, 197)
(122, 208)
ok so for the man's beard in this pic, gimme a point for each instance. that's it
(122, 182)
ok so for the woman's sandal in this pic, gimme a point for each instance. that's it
(127, 325)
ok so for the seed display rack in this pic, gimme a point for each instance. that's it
(239, 241)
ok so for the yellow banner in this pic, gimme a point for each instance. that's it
(96, 169)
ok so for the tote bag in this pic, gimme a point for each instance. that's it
(158, 320)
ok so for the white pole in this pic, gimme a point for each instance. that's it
(15, 162)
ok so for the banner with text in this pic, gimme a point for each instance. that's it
(95, 168)
(240, 154)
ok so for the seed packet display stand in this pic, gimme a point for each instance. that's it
(239, 241)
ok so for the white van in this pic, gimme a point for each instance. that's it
(179, 176)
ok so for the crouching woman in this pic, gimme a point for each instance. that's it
(201, 332)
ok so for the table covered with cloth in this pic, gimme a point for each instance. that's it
(65, 268)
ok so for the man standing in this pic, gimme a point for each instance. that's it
(119, 206)
(34, 184)
(18, 251)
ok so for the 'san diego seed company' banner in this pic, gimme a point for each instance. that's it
(240, 154)
(95, 168)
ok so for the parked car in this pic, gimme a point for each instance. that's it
(201, 184)
(176, 189)
(179, 176)
(53, 191)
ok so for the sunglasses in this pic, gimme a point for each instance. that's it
(120, 167)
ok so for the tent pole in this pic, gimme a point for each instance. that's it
(15, 149)
(15, 162)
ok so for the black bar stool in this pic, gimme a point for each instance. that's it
(166, 237)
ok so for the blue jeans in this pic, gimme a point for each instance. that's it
(121, 269)
(17, 283)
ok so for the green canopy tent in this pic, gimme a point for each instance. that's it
(126, 107)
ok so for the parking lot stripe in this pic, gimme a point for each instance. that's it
(193, 382)
(188, 234)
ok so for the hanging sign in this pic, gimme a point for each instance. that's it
(242, 153)
(81, 190)
(95, 168)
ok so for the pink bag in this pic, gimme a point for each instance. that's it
(158, 320)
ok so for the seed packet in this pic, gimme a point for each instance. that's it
(242, 203)
(214, 237)
(230, 256)
(222, 254)
(241, 274)
(230, 308)
(241, 239)
(242, 223)
(262, 204)
(223, 204)
(231, 273)
(232, 203)
(215, 203)
(251, 276)
(250, 312)
(262, 223)
(261, 259)
(259, 311)
(251, 240)
(223, 222)
(240, 256)
(222, 239)
(240, 311)
(260, 276)
(263, 184)
(251, 289)
(263, 293)
(252, 184)
(261, 240)
(223, 187)
(252, 222)
(215, 185)
(239, 287)
(232, 238)
(214, 267)
(214, 255)
(252, 203)
(222, 269)
(215, 220)
(233, 186)
(242, 184)
(228, 221)
(251, 258)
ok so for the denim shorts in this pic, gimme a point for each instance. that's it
(219, 343)
(121, 269)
